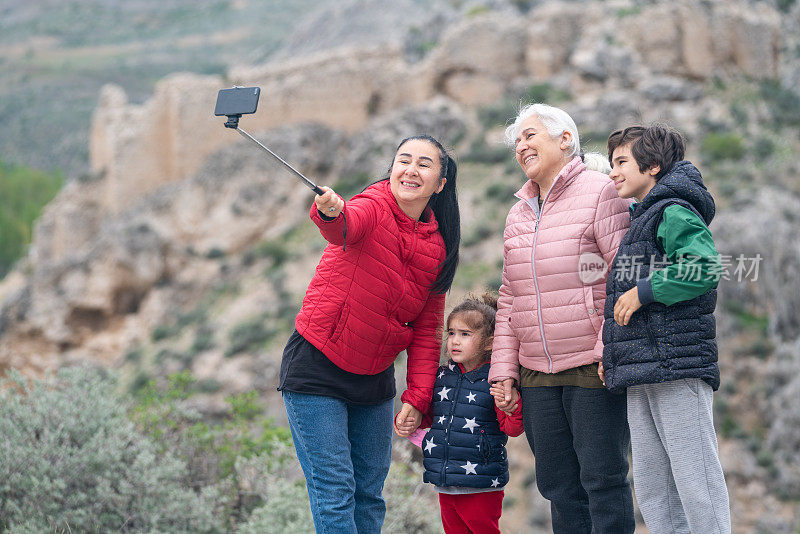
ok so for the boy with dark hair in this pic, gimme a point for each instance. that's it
(659, 333)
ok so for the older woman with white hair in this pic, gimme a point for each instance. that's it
(559, 239)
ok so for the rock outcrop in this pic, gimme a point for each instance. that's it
(586, 48)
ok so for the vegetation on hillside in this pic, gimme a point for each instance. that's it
(78, 455)
(23, 194)
(56, 55)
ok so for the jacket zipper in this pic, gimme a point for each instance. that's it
(448, 428)
(652, 338)
(486, 449)
(536, 283)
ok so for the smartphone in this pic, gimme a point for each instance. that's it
(237, 101)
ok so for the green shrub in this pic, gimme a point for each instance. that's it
(477, 10)
(139, 381)
(276, 250)
(23, 194)
(763, 148)
(739, 114)
(747, 319)
(164, 331)
(134, 355)
(499, 114)
(198, 315)
(722, 146)
(166, 355)
(214, 450)
(348, 186)
(286, 507)
(523, 5)
(418, 44)
(546, 93)
(481, 152)
(203, 340)
(250, 335)
(783, 103)
(502, 192)
(628, 11)
(477, 234)
(72, 461)
(215, 253)
(208, 385)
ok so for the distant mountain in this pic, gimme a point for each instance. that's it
(55, 55)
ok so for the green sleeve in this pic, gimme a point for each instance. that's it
(693, 265)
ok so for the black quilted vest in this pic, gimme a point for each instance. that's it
(660, 343)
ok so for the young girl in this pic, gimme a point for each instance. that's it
(464, 451)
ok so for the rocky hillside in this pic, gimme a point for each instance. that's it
(187, 248)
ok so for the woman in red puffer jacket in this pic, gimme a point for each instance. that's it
(378, 290)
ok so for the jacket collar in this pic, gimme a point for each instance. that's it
(568, 172)
(476, 375)
(683, 181)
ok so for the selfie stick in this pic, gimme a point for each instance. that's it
(233, 123)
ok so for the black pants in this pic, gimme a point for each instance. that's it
(580, 439)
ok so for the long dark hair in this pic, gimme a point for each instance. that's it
(445, 209)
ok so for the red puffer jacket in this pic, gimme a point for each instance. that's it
(371, 301)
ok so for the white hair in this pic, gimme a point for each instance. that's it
(595, 161)
(557, 121)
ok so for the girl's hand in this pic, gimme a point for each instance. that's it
(329, 204)
(505, 395)
(601, 372)
(407, 420)
(626, 305)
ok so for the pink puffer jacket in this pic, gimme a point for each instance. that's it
(549, 315)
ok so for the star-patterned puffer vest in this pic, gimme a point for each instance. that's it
(465, 446)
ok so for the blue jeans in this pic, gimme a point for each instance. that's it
(580, 438)
(345, 451)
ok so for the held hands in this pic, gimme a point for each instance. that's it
(330, 204)
(626, 305)
(601, 372)
(407, 420)
(505, 395)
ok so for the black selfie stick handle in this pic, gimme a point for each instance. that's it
(233, 122)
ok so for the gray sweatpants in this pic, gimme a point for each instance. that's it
(677, 476)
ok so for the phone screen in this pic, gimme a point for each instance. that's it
(237, 101)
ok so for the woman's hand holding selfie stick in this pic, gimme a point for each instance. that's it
(329, 203)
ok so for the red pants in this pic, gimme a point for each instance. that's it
(477, 513)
